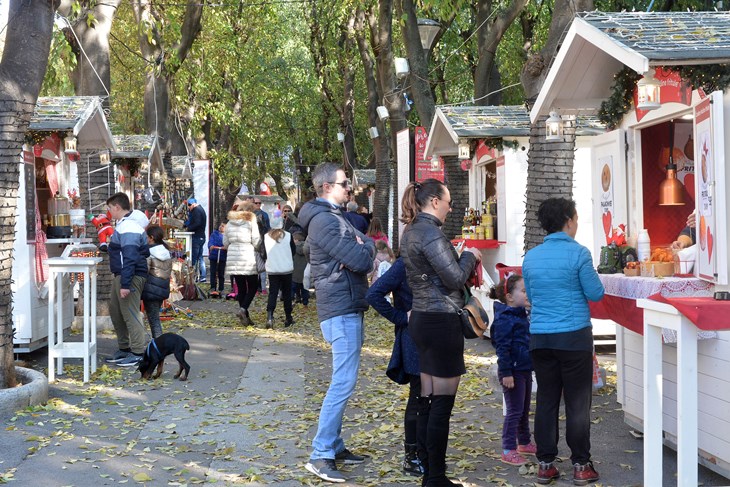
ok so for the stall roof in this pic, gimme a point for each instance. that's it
(598, 45)
(182, 167)
(81, 115)
(139, 147)
(365, 177)
(477, 122)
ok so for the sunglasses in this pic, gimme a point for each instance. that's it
(447, 202)
(345, 184)
(256, 202)
(287, 211)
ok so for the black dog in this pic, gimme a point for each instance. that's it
(158, 349)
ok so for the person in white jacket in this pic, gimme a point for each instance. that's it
(240, 239)
(280, 251)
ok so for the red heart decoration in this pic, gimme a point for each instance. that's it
(709, 244)
(607, 225)
(689, 184)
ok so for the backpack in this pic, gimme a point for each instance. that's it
(610, 260)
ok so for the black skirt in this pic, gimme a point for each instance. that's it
(440, 343)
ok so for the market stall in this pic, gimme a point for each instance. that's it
(498, 175)
(139, 156)
(664, 159)
(64, 134)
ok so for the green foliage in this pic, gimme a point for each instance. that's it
(61, 62)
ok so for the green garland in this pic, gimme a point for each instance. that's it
(709, 77)
(614, 108)
(500, 144)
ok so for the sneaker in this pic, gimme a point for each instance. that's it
(118, 356)
(349, 458)
(513, 458)
(546, 473)
(326, 469)
(130, 360)
(215, 294)
(584, 474)
(202, 279)
(529, 448)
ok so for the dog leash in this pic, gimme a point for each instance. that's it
(151, 344)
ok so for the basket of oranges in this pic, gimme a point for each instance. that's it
(632, 269)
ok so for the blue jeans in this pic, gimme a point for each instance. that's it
(198, 244)
(346, 334)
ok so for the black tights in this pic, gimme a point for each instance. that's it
(439, 386)
(410, 420)
(247, 286)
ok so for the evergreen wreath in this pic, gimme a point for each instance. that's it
(709, 77)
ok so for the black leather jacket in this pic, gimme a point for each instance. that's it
(433, 267)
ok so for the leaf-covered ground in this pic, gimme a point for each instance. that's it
(249, 412)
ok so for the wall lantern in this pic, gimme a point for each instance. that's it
(373, 131)
(104, 157)
(401, 67)
(464, 149)
(340, 137)
(69, 144)
(648, 89)
(554, 127)
(383, 114)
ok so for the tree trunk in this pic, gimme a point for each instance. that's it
(22, 68)
(550, 164)
(486, 75)
(418, 63)
(165, 60)
(91, 76)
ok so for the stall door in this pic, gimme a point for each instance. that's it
(608, 178)
(710, 188)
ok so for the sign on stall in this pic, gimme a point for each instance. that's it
(708, 123)
(424, 168)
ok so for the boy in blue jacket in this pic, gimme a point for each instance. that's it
(128, 252)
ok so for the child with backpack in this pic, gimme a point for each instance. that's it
(510, 334)
(157, 286)
(384, 257)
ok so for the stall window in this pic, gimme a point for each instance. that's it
(665, 222)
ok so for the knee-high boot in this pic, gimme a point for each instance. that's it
(437, 440)
(424, 407)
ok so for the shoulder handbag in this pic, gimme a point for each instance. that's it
(474, 319)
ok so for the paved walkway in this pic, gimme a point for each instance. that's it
(247, 416)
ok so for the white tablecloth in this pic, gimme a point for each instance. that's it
(671, 287)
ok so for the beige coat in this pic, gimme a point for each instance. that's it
(240, 239)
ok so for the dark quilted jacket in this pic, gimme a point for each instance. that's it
(433, 266)
(339, 265)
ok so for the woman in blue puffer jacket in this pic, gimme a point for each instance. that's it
(560, 280)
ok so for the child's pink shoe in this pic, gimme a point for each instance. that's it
(530, 448)
(513, 458)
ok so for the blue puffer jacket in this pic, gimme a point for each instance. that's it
(560, 280)
(128, 250)
(511, 337)
(405, 353)
(339, 264)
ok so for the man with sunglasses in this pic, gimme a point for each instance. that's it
(340, 257)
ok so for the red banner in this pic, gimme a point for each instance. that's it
(425, 168)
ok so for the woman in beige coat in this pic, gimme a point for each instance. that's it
(240, 239)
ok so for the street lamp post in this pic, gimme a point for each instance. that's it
(427, 31)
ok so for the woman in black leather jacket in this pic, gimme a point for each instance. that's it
(434, 269)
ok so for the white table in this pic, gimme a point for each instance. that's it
(60, 268)
(657, 316)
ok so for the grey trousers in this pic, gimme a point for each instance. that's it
(127, 317)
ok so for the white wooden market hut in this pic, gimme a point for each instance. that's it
(140, 159)
(66, 136)
(671, 384)
(502, 173)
